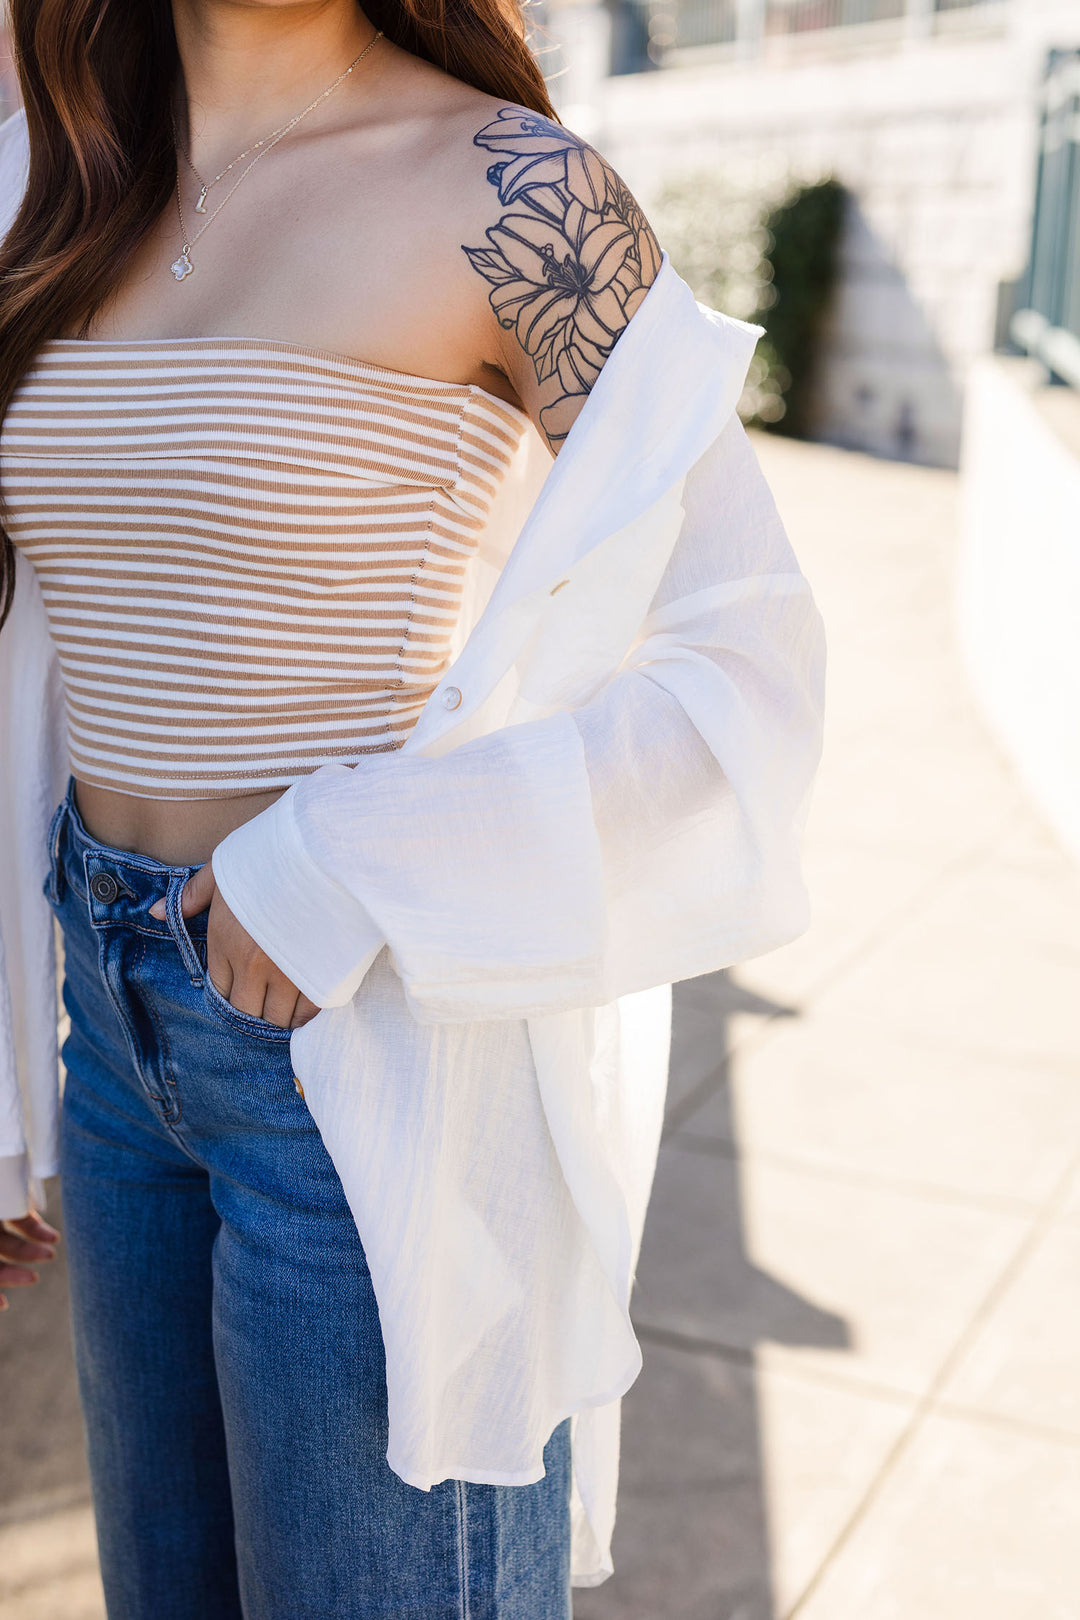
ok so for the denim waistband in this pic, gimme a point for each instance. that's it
(118, 885)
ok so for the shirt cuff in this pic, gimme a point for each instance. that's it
(313, 929)
(14, 1186)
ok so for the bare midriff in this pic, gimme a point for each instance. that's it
(178, 832)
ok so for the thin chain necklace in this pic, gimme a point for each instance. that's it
(182, 265)
(208, 185)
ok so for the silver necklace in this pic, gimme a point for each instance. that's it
(207, 185)
(182, 265)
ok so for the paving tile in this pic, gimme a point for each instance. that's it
(48, 1568)
(898, 504)
(1032, 846)
(989, 966)
(1024, 1362)
(711, 1016)
(910, 800)
(829, 1091)
(1070, 1209)
(891, 670)
(691, 1539)
(857, 894)
(65, 1597)
(976, 1523)
(862, 1280)
(871, 594)
(822, 1448)
(735, 1484)
(887, 829)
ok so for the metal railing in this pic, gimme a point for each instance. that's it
(1048, 324)
(806, 16)
(698, 22)
(802, 16)
(648, 30)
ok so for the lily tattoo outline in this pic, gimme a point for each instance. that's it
(569, 263)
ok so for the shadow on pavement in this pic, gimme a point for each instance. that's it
(692, 1538)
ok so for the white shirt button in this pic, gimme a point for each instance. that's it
(451, 697)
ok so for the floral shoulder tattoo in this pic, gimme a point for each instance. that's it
(569, 262)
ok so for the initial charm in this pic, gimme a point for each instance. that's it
(200, 206)
(181, 267)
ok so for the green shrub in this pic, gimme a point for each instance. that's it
(804, 232)
(765, 259)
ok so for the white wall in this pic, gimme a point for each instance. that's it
(1018, 586)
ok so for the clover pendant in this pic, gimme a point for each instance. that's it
(181, 267)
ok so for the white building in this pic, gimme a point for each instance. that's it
(929, 114)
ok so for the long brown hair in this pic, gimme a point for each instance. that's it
(96, 78)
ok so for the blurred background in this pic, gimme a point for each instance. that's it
(858, 1289)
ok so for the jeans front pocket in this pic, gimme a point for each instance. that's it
(261, 1029)
(191, 943)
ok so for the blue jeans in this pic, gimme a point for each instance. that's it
(227, 1341)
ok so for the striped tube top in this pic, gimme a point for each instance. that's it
(252, 554)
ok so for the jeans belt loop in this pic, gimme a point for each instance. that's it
(55, 883)
(178, 928)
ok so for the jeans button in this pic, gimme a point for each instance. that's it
(104, 887)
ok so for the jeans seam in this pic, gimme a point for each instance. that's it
(122, 922)
(121, 1013)
(463, 1548)
(137, 963)
(165, 1048)
(258, 1029)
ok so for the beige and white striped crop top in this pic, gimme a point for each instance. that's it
(251, 553)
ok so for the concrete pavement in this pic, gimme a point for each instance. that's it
(857, 1290)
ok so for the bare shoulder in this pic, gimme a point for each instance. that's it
(523, 250)
(562, 250)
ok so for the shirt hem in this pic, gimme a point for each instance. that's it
(521, 1476)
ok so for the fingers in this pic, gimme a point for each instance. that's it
(22, 1241)
(237, 968)
(195, 896)
(304, 1013)
(198, 891)
(35, 1226)
(219, 972)
(243, 973)
(14, 1247)
(271, 997)
(248, 994)
(16, 1276)
(279, 1002)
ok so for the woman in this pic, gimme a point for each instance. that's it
(393, 585)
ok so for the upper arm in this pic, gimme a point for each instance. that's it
(569, 259)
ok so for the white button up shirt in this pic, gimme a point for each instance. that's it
(604, 794)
